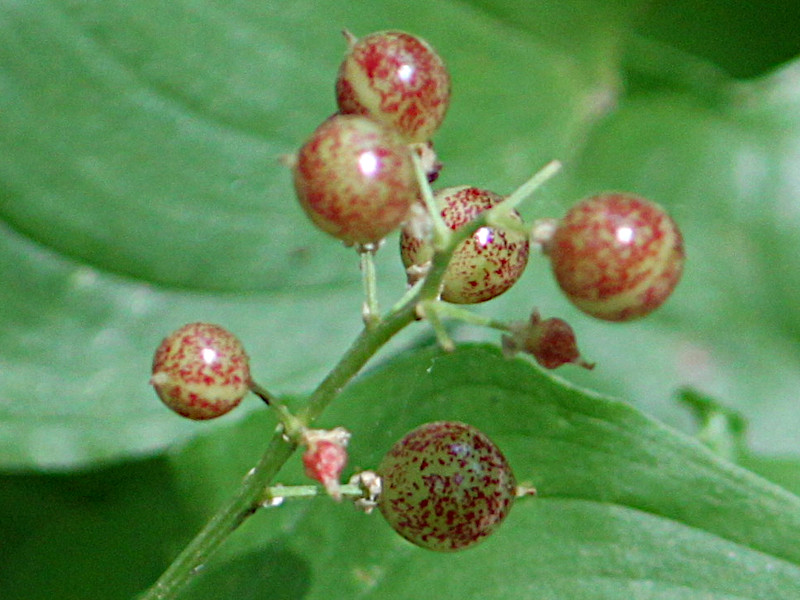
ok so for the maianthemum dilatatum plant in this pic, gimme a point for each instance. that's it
(364, 173)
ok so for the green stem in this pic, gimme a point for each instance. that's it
(445, 310)
(426, 310)
(243, 504)
(254, 490)
(276, 494)
(371, 310)
(292, 427)
(363, 348)
(516, 197)
(441, 232)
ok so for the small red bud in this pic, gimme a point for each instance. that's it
(325, 458)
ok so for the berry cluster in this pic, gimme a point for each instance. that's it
(363, 174)
(615, 256)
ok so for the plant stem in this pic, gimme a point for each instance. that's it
(251, 493)
(292, 427)
(363, 348)
(371, 311)
(441, 232)
(243, 504)
(450, 311)
(275, 495)
(254, 490)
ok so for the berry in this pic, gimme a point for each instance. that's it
(482, 267)
(396, 78)
(201, 371)
(445, 486)
(617, 256)
(550, 341)
(355, 179)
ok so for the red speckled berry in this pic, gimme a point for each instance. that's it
(397, 78)
(201, 371)
(445, 486)
(617, 256)
(483, 266)
(355, 179)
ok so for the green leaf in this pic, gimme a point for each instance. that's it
(626, 508)
(725, 167)
(140, 190)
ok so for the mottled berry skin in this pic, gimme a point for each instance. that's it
(201, 371)
(482, 267)
(397, 78)
(617, 256)
(355, 179)
(445, 486)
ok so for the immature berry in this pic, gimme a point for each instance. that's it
(355, 179)
(201, 371)
(550, 341)
(397, 78)
(617, 256)
(445, 486)
(483, 266)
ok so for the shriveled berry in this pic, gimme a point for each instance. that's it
(397, 78)
(550, 341)
(201, 371)
(617, 256)
(482, 267)
(445, 486)
(355, 179)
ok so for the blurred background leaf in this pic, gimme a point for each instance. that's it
(626, 508)
(140, 190)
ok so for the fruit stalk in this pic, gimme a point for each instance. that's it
(251, 494)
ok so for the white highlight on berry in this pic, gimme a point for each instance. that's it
(485, 236)
(368, 163)
(209, 355)
(625, 235)
(405, 73)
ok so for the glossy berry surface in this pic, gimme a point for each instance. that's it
(482, 267)
(396, 78)
(355, 179)
(617, 256)
(445, 486)
(201, 371)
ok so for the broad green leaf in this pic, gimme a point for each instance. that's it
(626, 508)
(140, 190)
(743, 38)
(727, 171)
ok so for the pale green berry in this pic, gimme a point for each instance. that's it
(483, 266)
(445, 486)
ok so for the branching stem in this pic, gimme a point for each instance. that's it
(254, 490)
